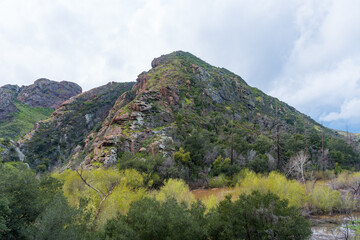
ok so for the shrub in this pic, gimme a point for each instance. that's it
(257, 216)
(151, 219)
(323, 199)
(175, 189)
(346, 180)
(126, 186)
(275, 183)
(219, 181)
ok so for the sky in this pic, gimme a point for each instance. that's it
(304, 52)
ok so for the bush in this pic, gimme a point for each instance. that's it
(276, 183)
(150, 219)
(126, 186)
(219, 181)
(323, 199)
(175, 189)
(347, 180)
(257, 216)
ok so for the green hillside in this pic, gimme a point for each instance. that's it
(22, 121)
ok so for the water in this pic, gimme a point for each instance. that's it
(332, 227)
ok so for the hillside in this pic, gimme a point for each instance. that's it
(54, 140)
(183, 102)
(22, 107)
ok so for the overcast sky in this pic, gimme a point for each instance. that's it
(305, 52)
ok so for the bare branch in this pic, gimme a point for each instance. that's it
(297, 165)
(102, 196)
(84, 180)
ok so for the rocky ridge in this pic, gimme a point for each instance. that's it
(55, 140)
(179, 85)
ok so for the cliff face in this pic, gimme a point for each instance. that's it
(22, 107)
(8, 94)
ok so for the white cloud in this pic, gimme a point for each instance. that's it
(305, 52)
(321, 75)
(350, 109)
(93, 42)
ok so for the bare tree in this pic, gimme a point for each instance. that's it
(297, 165)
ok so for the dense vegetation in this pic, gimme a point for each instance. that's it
(68, 206)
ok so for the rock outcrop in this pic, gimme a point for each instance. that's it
(8, 94)
(180, 91)
(48, 94)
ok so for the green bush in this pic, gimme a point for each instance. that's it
(257, 216)
(323, 199)
(218, 181)
(150, 219)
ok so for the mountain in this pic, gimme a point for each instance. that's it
(54, 140)
(22, 107)
(184, 103)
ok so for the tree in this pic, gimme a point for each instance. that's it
(257, 216)
(182, 157)
(150, 219)
(28, 204)
(297, 164)
(109, 187)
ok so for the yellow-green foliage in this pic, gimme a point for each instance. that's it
(276, 183)
(218, 181)
(121, 198)
(128, 188)
(210, 202)
(181, 156)
(324, 199)
(177, 189)
(347, 179)
(348, 202)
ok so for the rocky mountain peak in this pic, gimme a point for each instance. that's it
(47, 93)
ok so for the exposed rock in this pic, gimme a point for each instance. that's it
(7, 95)
(141, 83)
(180, 101)
(72, 124)
(48, 94)
(111, 159)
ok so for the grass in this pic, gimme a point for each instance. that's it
(23, 121)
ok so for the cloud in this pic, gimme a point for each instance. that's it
(304, 52)
(91, 42)
(321, 75)
(350, 109)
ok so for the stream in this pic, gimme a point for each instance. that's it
(331, 227)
